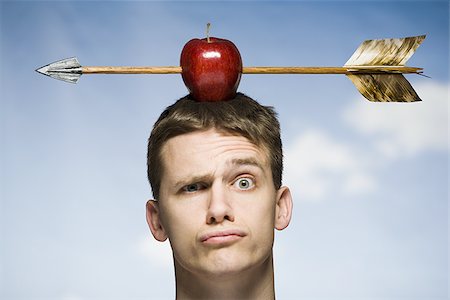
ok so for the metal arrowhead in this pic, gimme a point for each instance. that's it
(68, 70)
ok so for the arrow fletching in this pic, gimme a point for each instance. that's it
(384, 52)
(68, 70)
(384, 87)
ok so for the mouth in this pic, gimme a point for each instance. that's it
(222, 237)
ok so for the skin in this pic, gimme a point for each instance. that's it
(219, 182)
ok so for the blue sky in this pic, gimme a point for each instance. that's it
(370, 180)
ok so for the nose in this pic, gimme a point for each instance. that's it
(219, 205)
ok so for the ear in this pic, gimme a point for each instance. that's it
(154, 221)
(283, 209)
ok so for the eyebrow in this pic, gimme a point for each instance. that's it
(250, 161)
(195, 179)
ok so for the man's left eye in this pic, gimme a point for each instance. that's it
(244, 183)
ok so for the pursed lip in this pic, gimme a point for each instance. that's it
(225, 234)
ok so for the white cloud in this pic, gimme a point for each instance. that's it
(317, 165)
(404, 128)
(157, 253)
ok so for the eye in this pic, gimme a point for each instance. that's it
(244, 183)
(192, 188)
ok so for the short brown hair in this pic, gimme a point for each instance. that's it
(239, 116)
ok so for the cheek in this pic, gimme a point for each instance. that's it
(259, 216)
(181, 224)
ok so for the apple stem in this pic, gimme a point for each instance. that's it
(207, 32)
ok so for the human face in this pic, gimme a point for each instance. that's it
(218, 203)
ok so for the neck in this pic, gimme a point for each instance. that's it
(255, 283)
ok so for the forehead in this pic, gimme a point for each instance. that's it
(201, 150)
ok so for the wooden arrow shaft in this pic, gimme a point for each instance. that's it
(131, 70)
(260, 70)
(330, 70)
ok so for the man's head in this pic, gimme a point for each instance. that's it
(215, 169)
(240, 116)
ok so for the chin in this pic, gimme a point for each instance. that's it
(225, 269)
(224, 264)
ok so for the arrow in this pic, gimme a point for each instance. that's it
(376, 68)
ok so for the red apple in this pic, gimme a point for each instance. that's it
(211, 68)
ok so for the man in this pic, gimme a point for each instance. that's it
(215, 171)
